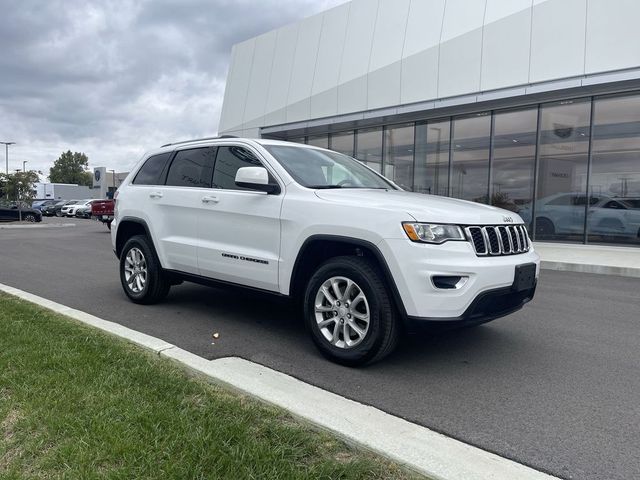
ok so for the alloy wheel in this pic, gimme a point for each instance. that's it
(342, 312)
(135, 270)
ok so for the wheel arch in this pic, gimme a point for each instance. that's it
(127, 228)
(319, 248)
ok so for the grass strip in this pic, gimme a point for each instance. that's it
(77, 403)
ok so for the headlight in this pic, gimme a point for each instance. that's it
(432, 233)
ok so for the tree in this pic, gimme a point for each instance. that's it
(18, 186)
(71, 168)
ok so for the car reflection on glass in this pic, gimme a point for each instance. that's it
(563, 214)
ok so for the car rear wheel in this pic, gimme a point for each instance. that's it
(29, 217)
(58, 213)
(349, 313)
(141, 275)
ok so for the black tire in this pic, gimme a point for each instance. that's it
(156, 285)
(383, 331)
(544, 227)
(58, 213)
(29, 217)
(109, 225)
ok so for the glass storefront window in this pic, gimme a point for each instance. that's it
(614, 187)
(432, 158)
(513, 161)
(369, 148)
(561, 197)
(319, 141)
(296, 139)
(470, 162)
(398, 155)
(342, 142)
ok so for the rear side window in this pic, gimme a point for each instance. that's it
(150, 172)
(192, 168)
(228, 161)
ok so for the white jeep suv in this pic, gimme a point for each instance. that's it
(366, 259)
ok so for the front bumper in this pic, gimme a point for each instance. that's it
(486, 293)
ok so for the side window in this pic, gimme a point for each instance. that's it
(228, 161)
(615, 205)
(191, 168)
(150, 172)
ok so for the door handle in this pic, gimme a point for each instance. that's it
(210, 199)
(155, 195)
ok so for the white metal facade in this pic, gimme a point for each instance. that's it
(370, 58)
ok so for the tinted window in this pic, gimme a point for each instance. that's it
(321, 141)
(398, 155)
(615, 170)
(432, 158)
(369, 148)
(514, 158)
(228, 161)
(191, 168)
(470, 161)
(563, 152)
(150, 172)
(342, 143)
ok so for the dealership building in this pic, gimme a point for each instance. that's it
(530, 105)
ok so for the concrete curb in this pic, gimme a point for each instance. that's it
(37, 225)
(599, 259)
(417, 448)
(590, 268)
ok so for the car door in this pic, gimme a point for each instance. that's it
(175, 206)
(238, 228)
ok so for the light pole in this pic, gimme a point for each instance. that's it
(18, 199)
(6, 154)
(23, 165)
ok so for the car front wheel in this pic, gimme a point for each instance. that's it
(349, 313)
(141, 274)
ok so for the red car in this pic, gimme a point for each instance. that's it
(102, 210)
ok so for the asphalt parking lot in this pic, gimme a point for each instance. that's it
(554, 386)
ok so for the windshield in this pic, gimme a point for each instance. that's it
(314, 168)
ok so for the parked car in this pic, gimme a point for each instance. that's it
(12, 213)
(84, 211)
(53, 209)
(69, 209)
(40, 204)
(364, 258)
(102, 210)
(564, 214)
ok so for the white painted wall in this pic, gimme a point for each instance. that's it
(374, 54)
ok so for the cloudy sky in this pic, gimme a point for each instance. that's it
(113, 78)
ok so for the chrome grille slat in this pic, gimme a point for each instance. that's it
(498, 240)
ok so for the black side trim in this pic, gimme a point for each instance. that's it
(213, 282)
(361, 243)
(485, 307)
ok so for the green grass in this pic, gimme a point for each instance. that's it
(76, 403)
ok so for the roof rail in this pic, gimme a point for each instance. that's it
(198, 140)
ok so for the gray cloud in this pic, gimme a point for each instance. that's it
(114, 78)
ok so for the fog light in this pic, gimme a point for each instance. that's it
(448, 282)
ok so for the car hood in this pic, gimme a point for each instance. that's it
(422, 207)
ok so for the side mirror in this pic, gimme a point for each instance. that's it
(256, 178)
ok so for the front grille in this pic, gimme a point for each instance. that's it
(499, 239)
